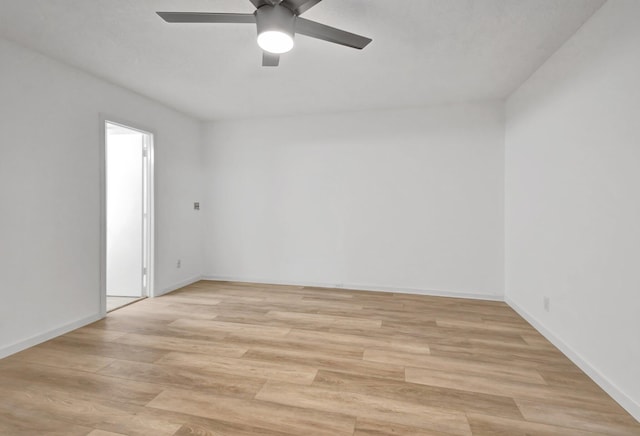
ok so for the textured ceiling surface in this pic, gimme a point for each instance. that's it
(423, 51)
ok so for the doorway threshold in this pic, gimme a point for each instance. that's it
(115, 303)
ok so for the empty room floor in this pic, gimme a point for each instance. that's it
(222, 358)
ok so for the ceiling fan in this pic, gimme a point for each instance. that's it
(277, 22)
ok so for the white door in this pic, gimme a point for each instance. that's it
(126, 210)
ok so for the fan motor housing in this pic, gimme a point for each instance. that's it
(275, 18)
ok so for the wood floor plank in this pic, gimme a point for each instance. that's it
(459, 365)
(153, 327)
(382, 313)
(366, 406)
(450, 399)
(405, 346)
(171, 343)
(525, 359)
(497, 386)
(206, 380)
(103, 415)
(169, 312)
(571, 379)
(20, 423)
(89, 333)
(325, 361)
(224, 429)
(288, 419)
(368, 339)
(295, 373)
(104, 433)
(105, 349)
(617, 424)
(244, 359)
(79, 384)
(293, 344)
(491, 326)
(331, 320)
(373, 427)
(227, 327)
(428, 332)
(298, 323)
(483, 425)
(60, 359)
(201, 425)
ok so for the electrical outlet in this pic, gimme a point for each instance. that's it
(178, 263)
(546, 301)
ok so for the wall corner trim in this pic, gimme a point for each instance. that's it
(614, 391)
(50, 334)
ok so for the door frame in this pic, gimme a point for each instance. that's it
(149, 238)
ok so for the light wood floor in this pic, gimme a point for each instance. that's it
(219, 358)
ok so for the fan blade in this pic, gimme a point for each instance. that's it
(331, 34)
(300, 6)
(205, 17)
(270, 59)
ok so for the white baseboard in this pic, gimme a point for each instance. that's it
(175, 286)
(361, 287)
(41, 337)
(614, 391)
(429, 292)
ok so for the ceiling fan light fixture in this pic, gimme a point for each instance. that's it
(275, 41)
(277, 22)
(276, 26)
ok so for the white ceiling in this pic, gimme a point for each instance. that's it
(423, 51)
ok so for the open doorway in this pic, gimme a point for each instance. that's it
(128, 207)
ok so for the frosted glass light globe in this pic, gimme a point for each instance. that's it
(275, 42)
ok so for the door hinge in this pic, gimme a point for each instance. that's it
(145, 152)
(144, 271)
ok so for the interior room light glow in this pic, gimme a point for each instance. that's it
(275, 42)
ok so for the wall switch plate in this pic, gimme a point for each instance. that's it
(546, 301)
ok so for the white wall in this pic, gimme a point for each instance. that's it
(573, 199)
(50, 193)
(408, 200)
(125, 239)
